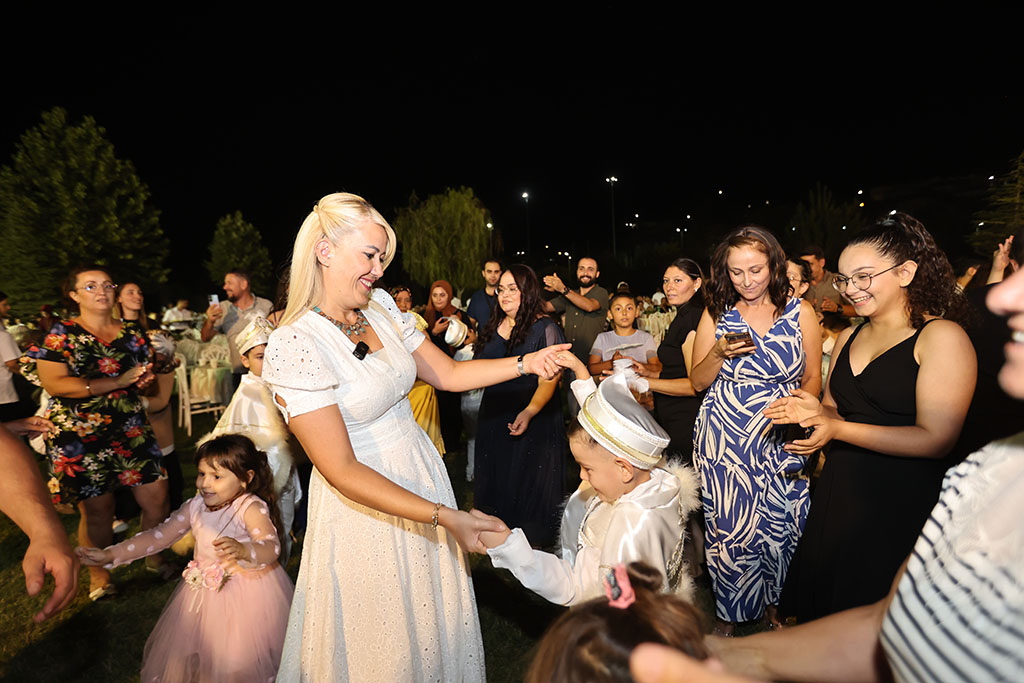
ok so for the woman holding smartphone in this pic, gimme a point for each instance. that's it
(756, 343)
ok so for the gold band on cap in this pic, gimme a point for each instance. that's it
(618, 443)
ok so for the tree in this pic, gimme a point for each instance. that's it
(1004, 214)
(444, 237)
(822, 222)
(66, 200)
(238, 244)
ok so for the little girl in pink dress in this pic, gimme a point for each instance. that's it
(226, 621)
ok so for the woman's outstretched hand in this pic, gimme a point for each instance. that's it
(824, 431)
(543, 363)
(467, 528)
(793, 409)
(491, 539)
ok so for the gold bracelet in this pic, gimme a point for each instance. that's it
(433, 517)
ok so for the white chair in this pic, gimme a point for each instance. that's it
(187, 405)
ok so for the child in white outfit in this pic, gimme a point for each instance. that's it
(629, 507)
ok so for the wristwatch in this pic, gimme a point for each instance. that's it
(565, 291)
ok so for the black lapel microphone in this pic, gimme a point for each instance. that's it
(360, 350)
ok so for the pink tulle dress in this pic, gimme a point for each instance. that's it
(225, 622)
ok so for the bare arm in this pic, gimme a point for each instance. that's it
(57, 382)
(598, 366)
(712, 352)
(12, 365)
(545, 390)
(436, 368)
(324, 437)
(811, 333)
(945, 385)
(213, 314)
(162, 397)
(584, 303)
(24, 499)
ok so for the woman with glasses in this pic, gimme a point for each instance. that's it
(93, 366)
(520, 445)
(894, 404)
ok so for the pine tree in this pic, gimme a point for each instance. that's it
(1004, 214)
(66, 200)
(237, 244)
(444, 237)
(820, 221)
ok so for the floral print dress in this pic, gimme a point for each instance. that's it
(104, 441)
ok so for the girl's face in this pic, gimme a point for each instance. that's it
(886, 289)
(216, 484)
(678, 286)
(601, 469)
(130, 297)
(94, 292)
(509, 295)
(623, 313)
(439, 297)
(404, 301)
(351, 267)
(749, 273)
(796, 279)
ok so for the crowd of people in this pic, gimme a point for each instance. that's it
(795, 433)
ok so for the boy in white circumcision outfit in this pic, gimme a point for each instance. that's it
(630, 506)
(252, 412)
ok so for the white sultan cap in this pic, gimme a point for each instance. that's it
(255, 333)
(616, 421)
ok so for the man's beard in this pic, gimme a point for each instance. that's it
(585, 280)
(233, 298)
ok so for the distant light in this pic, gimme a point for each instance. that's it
(981, 224)
(893, 212)
(685, 230)
(748, 206)
(678, 230)
(766, 202)
(687, 216)
(526, 195)
(861, 205)
(719, 192)
(546, 246)
(636, 215)
(991, 177)
(794, 228)
(611, 179)
(844, 227)
(860, 191)
(490, 225)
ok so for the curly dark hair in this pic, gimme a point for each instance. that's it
(592, 642)
(531, 309)
(901, 237)
(238, 454)
(721, 294)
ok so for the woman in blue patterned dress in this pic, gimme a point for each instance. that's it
(757, 342)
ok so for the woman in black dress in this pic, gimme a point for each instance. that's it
(520, 443)
(894, 403)
(675, 402)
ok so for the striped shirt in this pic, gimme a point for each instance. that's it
(958, 612)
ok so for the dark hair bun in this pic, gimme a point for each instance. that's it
(644, 577)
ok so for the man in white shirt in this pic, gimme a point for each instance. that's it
(178, 317)
(231, 316)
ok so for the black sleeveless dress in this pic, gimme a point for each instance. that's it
(676, 414)
(868, 508)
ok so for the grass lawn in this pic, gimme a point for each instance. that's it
(103, 641)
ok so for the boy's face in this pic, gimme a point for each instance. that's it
(623, 313)
(253, 359)
(608, 476)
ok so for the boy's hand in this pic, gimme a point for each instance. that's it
(569, 361)
(491, 539)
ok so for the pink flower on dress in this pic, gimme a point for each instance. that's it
(109, 366)
(129, 477)
(214, 577)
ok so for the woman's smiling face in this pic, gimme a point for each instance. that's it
(885, 289)
(749, 273)
(353, 265)
(508, 294)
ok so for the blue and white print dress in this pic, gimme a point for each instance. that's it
(755, 495)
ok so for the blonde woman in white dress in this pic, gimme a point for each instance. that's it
(384, 592)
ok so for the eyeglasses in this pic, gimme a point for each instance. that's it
(861, 281)
(797, 279)
(511, 289)
(92, 287)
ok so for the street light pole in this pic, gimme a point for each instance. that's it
(611, 180)
(526, 198)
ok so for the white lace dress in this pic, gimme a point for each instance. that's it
(378, 598)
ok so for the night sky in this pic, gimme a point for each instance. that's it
(219, 116)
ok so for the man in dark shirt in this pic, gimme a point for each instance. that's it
(481, 303)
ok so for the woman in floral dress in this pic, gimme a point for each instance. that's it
(92, 366)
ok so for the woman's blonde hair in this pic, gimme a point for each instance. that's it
(333, 217)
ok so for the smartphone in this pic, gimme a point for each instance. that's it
(214, 300)
(733, 337)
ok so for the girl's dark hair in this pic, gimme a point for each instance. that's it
(238, 454)
(531, 307)
(71, 281)
(694, 272)
(721, 294)
(592, 642)
(901, 237)
(119, 311)
(622, 294)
